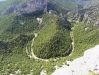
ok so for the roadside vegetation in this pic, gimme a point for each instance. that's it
(85, 36)
(54, 39)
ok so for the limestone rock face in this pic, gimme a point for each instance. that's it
(9, 9)
(89, 15)
(27, 7)
(83, 65)
(86, 3)
(31, 6)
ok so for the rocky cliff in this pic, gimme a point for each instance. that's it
(9, 9)
(89, 15)
(32, 6)
(86, 3)
(27, 7)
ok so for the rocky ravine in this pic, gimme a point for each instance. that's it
(83, 65)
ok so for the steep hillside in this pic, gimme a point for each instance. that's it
(85, 3)
(38, 36)
(89, 15)
(85, 36)
(53, 39)
(40, 5)
(66, 4)
(7, 3)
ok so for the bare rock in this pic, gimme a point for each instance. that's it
(83, 65)
(9, 9)
(32, 6)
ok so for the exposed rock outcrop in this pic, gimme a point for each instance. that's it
(9, 9)
(92, 15)
(32, 6)
(86, 3)
(89, 15)
(39, 20)
(83, 65)
(27, 7)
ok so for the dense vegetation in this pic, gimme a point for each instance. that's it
(13, 57)
(85, 37)
(16, 45)
(53, 40)
(19, 25)
(17, 33)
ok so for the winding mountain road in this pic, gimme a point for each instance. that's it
(32, 55)
(72, 37)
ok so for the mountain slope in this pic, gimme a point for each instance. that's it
(5, 4)
(66, 4)
(55, 35)
(86, 3)
(88, 15)
(53, 40)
